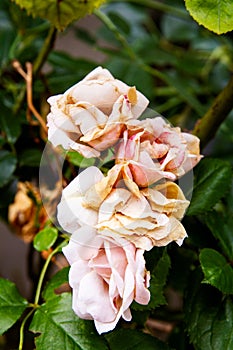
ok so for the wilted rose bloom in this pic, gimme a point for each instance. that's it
(106, 277)
(150, 218)
(91, 115)
(25, 215)
(152, 149)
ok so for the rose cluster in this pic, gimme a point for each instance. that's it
(136, 205)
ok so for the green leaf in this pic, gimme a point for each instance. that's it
(9, 124)
(183, 88)
(30, 157)
(8, 193)
(209, 318)
(59, 13)
(7, 165)
(12, 304)
(217, 270)
(221, 228)
(129, 339)
(7, 37)
(80, 161)
(178, 29)
(60, 328)
(157, 284)
(56, 281)
(45, 238)
(223, 327)
(211, 181)
(215, 15)
(132, 74)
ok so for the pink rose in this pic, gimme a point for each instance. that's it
(106, 277)
(149, 218)
(91, 115)
(152, 149)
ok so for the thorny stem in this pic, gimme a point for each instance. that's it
(28, 78)
(207, 126)
(37, 64)
(157, 5)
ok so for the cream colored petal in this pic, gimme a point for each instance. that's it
(128, 179)
(88, 118)
(99, 73)
(121, 111)
(139, 224)
(72, 214)
(106, 138)
(58, 136)
(193, 143)
(175, 232)
(136, 207)
(112, 203)
(85, 150)
(98, 192)
(141, 242)
(155, 150)
(167, 198)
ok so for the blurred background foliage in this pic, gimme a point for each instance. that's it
(181, 67)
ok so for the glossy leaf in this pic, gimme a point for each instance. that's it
(7, 166)
(221, 228)
(12, 304)
(126, 339)
(132, 75)
(215, 15)
(7, 36)
(60, 328)
(9, 124)
(209, 318)
(211, 181)
(56, 281)
(30, 157)
(183, 89)
(59, 13)
(80, 161)
(45, 238)
(217, 270)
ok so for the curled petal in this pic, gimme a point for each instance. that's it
(107, 277)
(91, 115)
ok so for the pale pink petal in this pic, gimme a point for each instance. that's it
(85, 243)
(78, 270)
(107, 137)
(93, 298)
(142, 294)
